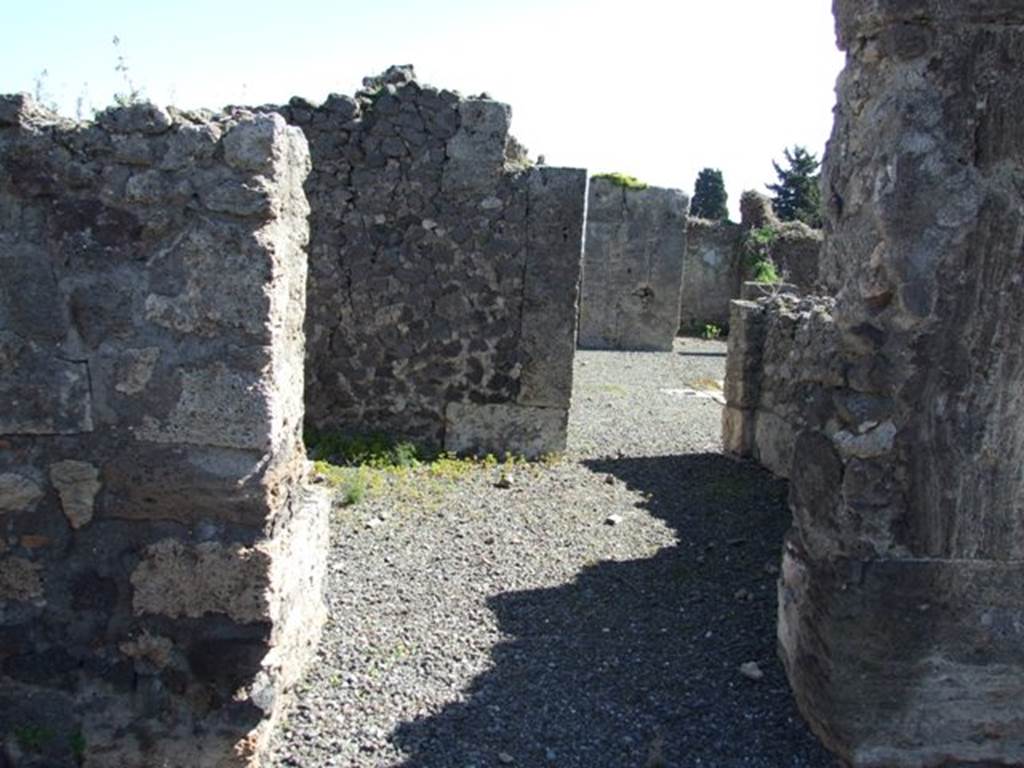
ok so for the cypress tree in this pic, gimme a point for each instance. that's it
(709, 196)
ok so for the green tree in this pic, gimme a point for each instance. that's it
(797, 197)
(709, 196)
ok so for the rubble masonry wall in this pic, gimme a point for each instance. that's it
(444, 272)
(160, 559)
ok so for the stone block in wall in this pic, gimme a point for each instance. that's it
(738, 431)
(505, 428)
(161, 567)
(756, 211)
(929, 642)
(712, 270)
(55, 401)
(743, 368)
(633, 263)
(476, 153)
(774, 439)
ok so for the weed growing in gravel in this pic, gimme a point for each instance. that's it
(376, 451)
(33, 738)
(361, 466)
(551, 459)
(352, 483)
(448, 466)
(355, 487)
(77, 743)
(712, 331)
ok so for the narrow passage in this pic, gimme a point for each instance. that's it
(593, 611)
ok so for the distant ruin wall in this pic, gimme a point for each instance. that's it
(900, 611)
(160, 562)
(793, 247)
(796, 252)
(444, 272)
(632, 273)
(718, 260)
(712, 272)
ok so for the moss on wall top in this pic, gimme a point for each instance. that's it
(622, 180)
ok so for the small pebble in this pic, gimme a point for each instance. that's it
(751, 671)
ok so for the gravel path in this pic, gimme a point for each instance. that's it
(473, 625)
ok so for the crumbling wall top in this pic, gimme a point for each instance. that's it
(860, 19)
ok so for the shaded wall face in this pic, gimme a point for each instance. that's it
(930, 259)
(896, 612)
(633, 262)
(151, 347)
(797, 254)
(444, 280)
(784, 376)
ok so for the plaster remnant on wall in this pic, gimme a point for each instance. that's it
(176, 580)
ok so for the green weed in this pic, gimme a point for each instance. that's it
(711, 331)
(33, 738)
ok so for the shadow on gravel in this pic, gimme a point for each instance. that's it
(636, 663)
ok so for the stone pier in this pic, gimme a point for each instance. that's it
(160, 556)
(633, 266)
(901, 617)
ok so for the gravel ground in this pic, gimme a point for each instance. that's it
(594, 613)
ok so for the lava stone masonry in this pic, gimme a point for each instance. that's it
(444, 272)
(900, 603)
(160, 557)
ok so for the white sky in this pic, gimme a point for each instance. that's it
(655, 88)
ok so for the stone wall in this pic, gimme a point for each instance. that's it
(784, 375)
(160, 560)
(632, 273)
(712, 272)
(797, 254)
(900, 609)
(717, 261)
(444, 271)
(795, 247)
